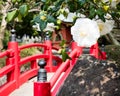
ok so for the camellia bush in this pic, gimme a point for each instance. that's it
(36, 17)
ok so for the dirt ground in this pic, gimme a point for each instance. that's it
(90, 77)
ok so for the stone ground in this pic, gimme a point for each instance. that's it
(91, 78)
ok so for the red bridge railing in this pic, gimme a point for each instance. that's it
(41, 88)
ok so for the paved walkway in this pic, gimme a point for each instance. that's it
(27, 88)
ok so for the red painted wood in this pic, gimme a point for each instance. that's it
(42, 89)
(13, 63)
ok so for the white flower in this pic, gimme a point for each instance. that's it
(105, 27)
(36, 26)
(85, 32)
(69, 18)
(49, 27)
(108, 16)
(113, 2)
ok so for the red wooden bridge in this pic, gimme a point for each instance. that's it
(45, 65)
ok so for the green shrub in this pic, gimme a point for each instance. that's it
(6, 39)
(27, 52)
(2, 62)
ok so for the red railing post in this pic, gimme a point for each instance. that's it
(94, 50)
(48, 51)
(42, 87)
(80, 49)
(13, 45)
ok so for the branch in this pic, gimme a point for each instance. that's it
(112, 39)
(34, 10)
(3, 25)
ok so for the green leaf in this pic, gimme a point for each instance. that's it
(19, 0)
(19, 18)
(36, 19)
(82, 2)
(100, 14)
(24, 10)
(14, 1)
(44, 1)
(51, 19)
(92, 13)
(65, 56)
(42, 25)
(62, 43)
(12, 15)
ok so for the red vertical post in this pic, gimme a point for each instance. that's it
(48, 51)
(97, 52)
(42, 87)
(79, 52)
(74, 45)
(94, 50)
(13, 45)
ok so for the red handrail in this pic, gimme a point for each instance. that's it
(14, 61)
(52, 87)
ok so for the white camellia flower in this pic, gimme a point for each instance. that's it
(113, 2)
(85, 32)
(70, 16)
(49, 27)
(105, 27)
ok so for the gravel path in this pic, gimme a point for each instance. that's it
(91, 78)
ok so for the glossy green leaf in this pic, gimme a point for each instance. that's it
(12, 15)
(65, 56)
(43, 25)
(23, 10)
(44, 1)
(62, 43)
(100, 14)
(14, 1)
(19, 0)
(19, 18)
(51, 19)
(92, 13)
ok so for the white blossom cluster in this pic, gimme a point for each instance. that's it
(85, 31)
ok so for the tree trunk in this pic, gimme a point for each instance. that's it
(111, 39)
(3, 22)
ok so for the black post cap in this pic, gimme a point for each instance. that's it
(47, 36)
(13, 35)
(42, 74)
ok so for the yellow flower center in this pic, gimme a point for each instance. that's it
(83, 34)
(43, 18)
(100, 27)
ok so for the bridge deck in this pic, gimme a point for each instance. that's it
(27, 88)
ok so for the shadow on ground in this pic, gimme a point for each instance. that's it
(91, 78)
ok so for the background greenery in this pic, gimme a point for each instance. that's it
(21, 15)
